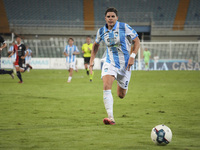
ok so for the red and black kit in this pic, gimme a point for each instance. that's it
(20, 51)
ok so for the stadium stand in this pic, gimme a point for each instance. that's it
(138, 11)
(4, 26)
(193, 15)
(43, 12)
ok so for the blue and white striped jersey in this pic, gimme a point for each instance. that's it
(118, 42)
(11, 50)
(29, 53)
(70, 50)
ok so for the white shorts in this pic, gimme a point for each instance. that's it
(28, 60)
(121, 75)
(71, 65)
(13, 59)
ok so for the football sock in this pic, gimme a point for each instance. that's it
(87, 71)
(108, 102)
(26, 68)
(69, 78)
(19, 75)
(91, 75)
(5, 71)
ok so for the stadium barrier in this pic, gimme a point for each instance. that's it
(50, 63)
(60, 63)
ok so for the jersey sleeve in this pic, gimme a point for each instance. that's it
(65, 49)
(130, 32)
(2, 40)
(11, 49)
(76, 49)
(82, 47)
(98, 37)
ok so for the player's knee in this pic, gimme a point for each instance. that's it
(106, 86)
(121, 95)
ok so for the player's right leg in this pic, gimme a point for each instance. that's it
(17, 66)
(86, 62)
(108, 76)
(70, 75)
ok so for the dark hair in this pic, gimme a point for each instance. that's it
(111, 9)
(71, 39)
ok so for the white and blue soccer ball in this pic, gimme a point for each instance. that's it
(161, 135)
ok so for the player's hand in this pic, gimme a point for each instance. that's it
(91, 68)
(130, 63)
(83, 52)
(22, 57)
(89, 49)
(0, 49)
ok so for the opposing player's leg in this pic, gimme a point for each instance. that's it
(2, 71)
(18, 73)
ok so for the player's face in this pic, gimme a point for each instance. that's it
(88, 40)
(18, 40)
(111, 19)
(71, 42)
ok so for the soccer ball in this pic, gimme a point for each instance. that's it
(161, 135)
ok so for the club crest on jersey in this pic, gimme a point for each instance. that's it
(106, 70)
(116, 34)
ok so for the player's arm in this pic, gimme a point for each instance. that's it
(83, 49)
(134, 52)
(65, 54)
(23, 57)
(3, 46)
(76, 53)
(95, 49)
(12, 53)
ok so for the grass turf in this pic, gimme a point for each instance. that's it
(48, 113)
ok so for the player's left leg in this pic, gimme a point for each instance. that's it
(18, 73)
(86, 62)
(123, 79)
(70, 75)
(146, 64)
(2, 71)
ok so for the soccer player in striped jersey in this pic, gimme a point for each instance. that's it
(118, 38)
(70, 51)
(28, 58)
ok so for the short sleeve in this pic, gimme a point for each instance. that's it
(2, 40)
(98, 37)
(131, 32)
(65, 49)
(11, 49)
(82, 47)
(76, 49)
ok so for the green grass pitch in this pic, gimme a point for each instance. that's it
(48, 113)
